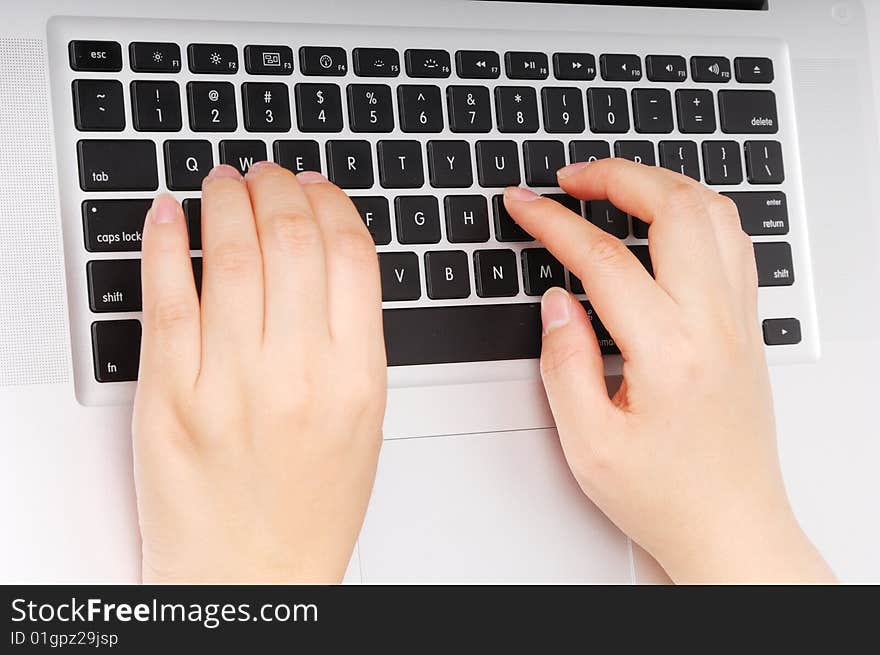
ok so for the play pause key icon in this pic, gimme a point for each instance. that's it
(574, 66)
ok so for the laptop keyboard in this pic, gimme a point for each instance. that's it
(424, 140)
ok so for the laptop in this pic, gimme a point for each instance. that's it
(423, 112)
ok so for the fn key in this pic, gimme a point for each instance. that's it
(116, 347)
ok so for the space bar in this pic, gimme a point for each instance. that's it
(471, 333)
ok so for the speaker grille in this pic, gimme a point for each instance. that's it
(33, 332)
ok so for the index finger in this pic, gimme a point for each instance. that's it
(621, 290)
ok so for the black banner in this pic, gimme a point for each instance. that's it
(248, 619)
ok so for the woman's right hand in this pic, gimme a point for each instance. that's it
(683, 458)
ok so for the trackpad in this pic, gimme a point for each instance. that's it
(499, 507)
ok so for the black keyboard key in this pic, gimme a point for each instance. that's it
(376, 62)
(375, 215)
(400, 164)
(753, 70)
(477, 64)
(588, 151)
(543, 159)
(606, 216)
(696, 111)
(192, 210)
(370, 108)
(609, 110)
(212, 58)
(149, 57)
(446, 275)
(155, 106)
(498, 163)
(761, 213)
(323, 60)
(350, 164)
(114, 285)
(748, 112)
(417, 219)
(399, 275)
(563, 110)
(427, 63)
(116, 350)
(652, 111)
(462, 333)
(764, 162)
(516, 109)
(775, 268)
(682, 157)
(114, 225)
(268, 59)
(495, 273)
(212, 107)
(123, 165)
(567, 201)
(242, 154)
(298, 155)
(526, 65)
(666, 68)
(710, 69)
(781, 331)
(621, 68)
(318, 107)
(95, 56)
(420, 108)
(574, 66)
(98, 105)
(469, 108)
(541, 270)
(467, 219)
(449, 163)
(187, 163)
(641, 152)
(722, 162)
(507, 229)
(266, 106)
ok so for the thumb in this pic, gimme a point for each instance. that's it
(571, 361)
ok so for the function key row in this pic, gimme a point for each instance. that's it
(219, 58)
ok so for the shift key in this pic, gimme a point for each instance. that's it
(117, 165)
(114, 285)
(775, 268)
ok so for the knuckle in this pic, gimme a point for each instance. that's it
(231, 259)
(683, 197)
(606, 251)
(167, 314)
(559, 355)
(355, 244)
(293, 232)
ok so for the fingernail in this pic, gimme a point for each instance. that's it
(257, 165)
(223, 170)
(164, 209)
(555, 309)
(571, 169)
(310, 177)
(520, 193)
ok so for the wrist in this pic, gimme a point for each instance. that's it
(748, 547)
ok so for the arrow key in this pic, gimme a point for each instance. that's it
(782, 331)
